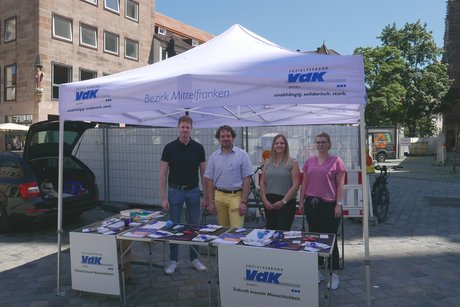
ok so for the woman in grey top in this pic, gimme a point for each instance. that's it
(278, 186)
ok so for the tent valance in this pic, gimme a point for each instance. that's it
(238, 78)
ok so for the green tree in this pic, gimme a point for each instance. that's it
(406, 83)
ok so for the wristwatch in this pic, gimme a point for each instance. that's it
(339, 203)
(284, 201)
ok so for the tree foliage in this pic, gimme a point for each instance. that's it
(406, 83)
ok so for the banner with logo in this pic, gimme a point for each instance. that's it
(237, 78)
(252, 276)
(94, 263)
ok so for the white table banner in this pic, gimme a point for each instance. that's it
(253, 276)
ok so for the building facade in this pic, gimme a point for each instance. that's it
(174, 37)
(44, 43)
(452, 58)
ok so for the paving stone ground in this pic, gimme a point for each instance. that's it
(414, 255)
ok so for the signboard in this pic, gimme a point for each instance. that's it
(94, 263)
(353, 194)
(404, 141)
(255, 276)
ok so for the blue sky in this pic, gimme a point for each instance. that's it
(304, 24)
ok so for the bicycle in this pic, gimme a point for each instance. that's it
(380, 194)
(255, 201)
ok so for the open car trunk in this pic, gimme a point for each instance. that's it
(78, 179)
(42, 153)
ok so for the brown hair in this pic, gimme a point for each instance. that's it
(326, 136)
(225, 128)
(185, 119)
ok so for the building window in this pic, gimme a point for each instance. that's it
(62, 28)
(10, 82)
(19, 119)
(10, 29)
(112, 5)
(132, 10)
(111, 42)
(131, 49)
(87, 74)
(61, 74)
(163, 54)
(88, 36)
(161, 31)
(91, 1)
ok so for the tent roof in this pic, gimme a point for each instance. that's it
(13, 126)
(238, 78)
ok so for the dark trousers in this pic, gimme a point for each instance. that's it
(320, 218)
(280, 219)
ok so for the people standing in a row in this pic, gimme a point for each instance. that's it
(226, 186)
(321, 193)
(227, 173)
(279, 184)
(182, 163)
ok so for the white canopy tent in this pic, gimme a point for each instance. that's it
(13, 126)
(239, 79)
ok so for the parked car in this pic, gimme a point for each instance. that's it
(29, 183)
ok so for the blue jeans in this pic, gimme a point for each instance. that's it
(176, 199)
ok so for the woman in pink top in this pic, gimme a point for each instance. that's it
(321, 193)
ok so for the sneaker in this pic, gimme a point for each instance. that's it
(320, 276)
(334, 282)
(196, 263)
(171, 267)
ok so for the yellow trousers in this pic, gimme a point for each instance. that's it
(228, 209)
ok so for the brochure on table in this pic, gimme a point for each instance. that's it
(253, 276)
(94, 255)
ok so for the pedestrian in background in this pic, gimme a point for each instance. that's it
(183, 162)
(321, 192)
(227, 174)
(279, 184)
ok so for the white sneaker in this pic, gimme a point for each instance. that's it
(334, 282)
(196, 263)
(320, 276)
(171, 267)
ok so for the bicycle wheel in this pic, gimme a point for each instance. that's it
(381, 202)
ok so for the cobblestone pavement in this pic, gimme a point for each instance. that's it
(415, 255)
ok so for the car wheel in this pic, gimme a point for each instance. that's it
(3, 221)
(381, 157)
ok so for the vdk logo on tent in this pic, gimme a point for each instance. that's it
(86, 95)
(316, 76)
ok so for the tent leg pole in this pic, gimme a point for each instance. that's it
(367, 261)
(59, 218)
(59, 292)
